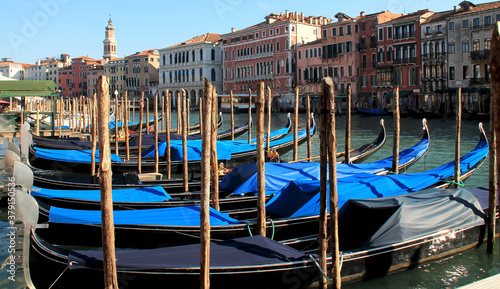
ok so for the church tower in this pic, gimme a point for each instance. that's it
(109, 42)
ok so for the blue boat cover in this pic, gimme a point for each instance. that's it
(132, 195)
(239, 252)
(301, 198)
(243, 179)
(403, 218)
(72, 156)
(225, 148)
(175, 216)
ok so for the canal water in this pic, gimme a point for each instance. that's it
(451, 272)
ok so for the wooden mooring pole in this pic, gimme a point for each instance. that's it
(147, 115)
(214, 177)
(395, 139)
(327, 88)
(179, 107)
(347, 153)
(249, 115)
(94, 135)
(296, 125)
(308, 127)
(117, 134)
(494, 131)
(37, 118)
(141, 116)
(261, 159)
(231, 98)
(168, 113)
(457, 137)
(184, 142)
(127, 145)
(105, 173)
(157, 155)
(268, 129)
(205, 189)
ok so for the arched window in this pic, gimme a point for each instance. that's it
(170, 56)
(212, 54)
(192, 54)
(287, 68)
(277, 46)
(389, 54)
(278, 68)
(175, 58)
(287, 44)
(300, 54)
(201, 54)
(315, 52)
(187, 56)
(164, 63)
(413, 76)
(183, 57)
(300, 74)
(380, 55)
(213, 74)
(307, 53)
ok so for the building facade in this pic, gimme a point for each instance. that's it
(141, 69)
(398, 62)
(73, 79)
(187, 64)
(11, 69)
(114, 69)
(469, 31)
(310, 67)
(267, 52)
(369, 25)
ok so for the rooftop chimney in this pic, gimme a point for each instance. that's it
(302, 16)
(287, 13)
(296, 16)
(362, 14)
(232, 29)
(455, 8)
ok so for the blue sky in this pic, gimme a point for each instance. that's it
(46, 28)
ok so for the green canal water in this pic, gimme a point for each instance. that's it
(451, 272)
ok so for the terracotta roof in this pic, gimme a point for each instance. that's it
(275, 18)
(475, 8)
(412, 16)
(145, 52)
(312, 43)
(84, 57)
(439, 16)
(207, 37)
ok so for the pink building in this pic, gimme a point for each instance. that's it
(267, 52)
(309, 67)
(73, 79)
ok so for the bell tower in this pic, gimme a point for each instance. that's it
(110, 42)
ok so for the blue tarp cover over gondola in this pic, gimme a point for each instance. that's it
(174, 216)
(73, 156)
(132, 195)
(246, 251)
(391, 220)
(243, 179)
(365, 186)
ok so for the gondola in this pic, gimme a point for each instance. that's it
(83, 143)
(243, 179)
(367, 149)
(236, 181)
(230, 153)
(260, 259)
(372, 112)
(292, 213)
(126, 180)
(406, 231)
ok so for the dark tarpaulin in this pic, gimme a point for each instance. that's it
(247, 251)
(372, 223)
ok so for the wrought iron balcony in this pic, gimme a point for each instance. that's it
(479, 54)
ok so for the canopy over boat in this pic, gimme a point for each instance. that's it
(133, 195)
(175, 216)
(301, 198)
(391, 220)
(243, 179)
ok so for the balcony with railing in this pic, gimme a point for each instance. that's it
(313, 80)
(254, 56)
(362, 46)
(480, 54)
(405, 60)
(479, 81)
(254, 77)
